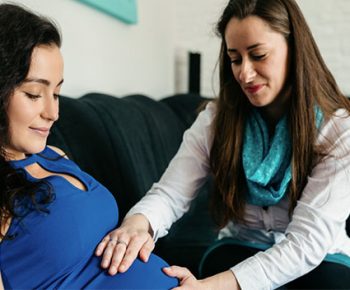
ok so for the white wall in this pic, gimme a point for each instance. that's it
(330, 24)
(194, 25)
(105, 55)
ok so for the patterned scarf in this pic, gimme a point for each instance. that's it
(267, 161)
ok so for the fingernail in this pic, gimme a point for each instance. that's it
(121, 267)
(112, 270)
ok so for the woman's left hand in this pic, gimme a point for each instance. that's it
(222, 281)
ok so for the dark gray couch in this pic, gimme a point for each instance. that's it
(126, 143)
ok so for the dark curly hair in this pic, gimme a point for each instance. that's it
(20, 32)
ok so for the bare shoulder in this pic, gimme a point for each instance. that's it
(58, 151)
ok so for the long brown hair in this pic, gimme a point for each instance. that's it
(310, 83)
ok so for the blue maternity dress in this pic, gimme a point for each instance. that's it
(55, 249)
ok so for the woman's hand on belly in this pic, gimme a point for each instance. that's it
(123, 245)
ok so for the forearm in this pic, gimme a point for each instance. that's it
(172, 195)
(223, 281)
(160, 220)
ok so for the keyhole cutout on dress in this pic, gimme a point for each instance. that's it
(39, 172)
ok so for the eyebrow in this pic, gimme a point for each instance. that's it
(41, 81)
(249, 47)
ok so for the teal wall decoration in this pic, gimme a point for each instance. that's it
(124, 10)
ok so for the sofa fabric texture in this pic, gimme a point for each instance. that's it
(126, 144)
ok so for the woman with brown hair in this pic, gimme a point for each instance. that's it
(277, 142)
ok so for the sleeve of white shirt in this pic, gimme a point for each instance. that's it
(170, 198)
(317, 221)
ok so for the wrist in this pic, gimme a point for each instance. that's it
(140, 222)
(223, 281)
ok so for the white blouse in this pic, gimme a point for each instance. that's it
(316, 228)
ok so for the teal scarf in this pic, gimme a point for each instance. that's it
(267, 161)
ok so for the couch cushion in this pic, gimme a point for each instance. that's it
(125, 143)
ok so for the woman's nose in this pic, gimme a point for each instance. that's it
(50, 110)
(247, 72)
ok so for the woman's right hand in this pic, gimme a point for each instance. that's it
(122, 246)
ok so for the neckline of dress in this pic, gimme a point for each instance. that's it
(25, 161)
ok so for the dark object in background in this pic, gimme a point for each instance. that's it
(194, 73)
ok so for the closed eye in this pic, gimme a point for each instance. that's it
(236, 61)
(32, 96)
(258, 57)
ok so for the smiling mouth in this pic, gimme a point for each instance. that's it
(254, 89)
(44, 132)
